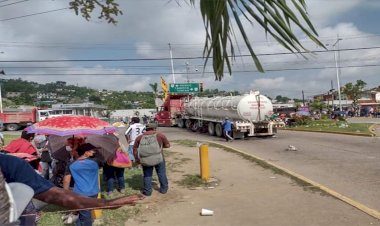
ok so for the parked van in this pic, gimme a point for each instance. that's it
(59, 112)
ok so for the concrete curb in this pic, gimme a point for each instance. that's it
(371, 129)
(372, 212)
(343, 133)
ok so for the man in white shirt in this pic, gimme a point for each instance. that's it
(134, 130)
(2, 142)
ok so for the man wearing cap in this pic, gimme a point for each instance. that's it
(160, 167)
(227, 128)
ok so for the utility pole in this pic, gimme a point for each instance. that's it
(303, 98)
(332, 95)
(337, 67)
(1, 101)
(171, 61)
(1, 97)
(187, 72)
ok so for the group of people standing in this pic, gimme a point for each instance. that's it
(76, 169)
(145, 149)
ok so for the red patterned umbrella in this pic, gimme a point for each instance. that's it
(71, 125)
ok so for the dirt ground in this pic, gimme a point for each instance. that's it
(246, 194)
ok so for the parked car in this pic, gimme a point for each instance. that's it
(290, 122)
(336, 114)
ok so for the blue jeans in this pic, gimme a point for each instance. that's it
(110, 172)
(46, 170)
(85, 217)
(130, 153)
(227, 135)
(161, 173)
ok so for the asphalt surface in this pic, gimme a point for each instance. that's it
(243, 194)
(346, 164)
(363, 120)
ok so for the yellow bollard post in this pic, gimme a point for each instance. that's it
(204, 163)
(97, 213)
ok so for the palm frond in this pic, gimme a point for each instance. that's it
(275, 16)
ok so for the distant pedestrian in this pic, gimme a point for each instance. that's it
(145, 119)
(148, 152)
(45, 158)
(227, 128)
(133, 131)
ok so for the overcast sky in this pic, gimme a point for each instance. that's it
(147, 26)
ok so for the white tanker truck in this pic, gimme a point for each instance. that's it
(250, 115)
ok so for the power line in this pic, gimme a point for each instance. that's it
(117, 45)
(182, 58)
(13, 3)
(176, 73)
(155, 67)
(85, 67)
(34, 14)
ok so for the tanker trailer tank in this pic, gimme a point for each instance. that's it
(250, 107)
(249, 115)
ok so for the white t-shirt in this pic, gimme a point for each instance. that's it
(134, 131)
(2, 138)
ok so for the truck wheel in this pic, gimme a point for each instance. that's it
(188, 123)
(181, 123)
(195, 127)
(218, 130)
(12, 127)
(211, 128)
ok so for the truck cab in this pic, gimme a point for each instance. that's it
(170, 109)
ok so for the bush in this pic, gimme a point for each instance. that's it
(302, 120)
(341, 118)
(324, 117)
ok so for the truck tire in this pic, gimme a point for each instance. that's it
(195, 127)
(219, 129)
(12, 127)
(188, 123)
(181, 123)
(211, 128)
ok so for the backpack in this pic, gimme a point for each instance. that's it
(149, 150)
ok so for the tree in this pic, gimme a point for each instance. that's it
(154, 89)
(95, 99)
(109, 9)
(317, 105)
(354, 92)
(275, 16)
(282, 99)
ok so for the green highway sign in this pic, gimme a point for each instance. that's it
(184, 88)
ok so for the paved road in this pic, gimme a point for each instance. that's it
(364, 120)
(347, 164)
